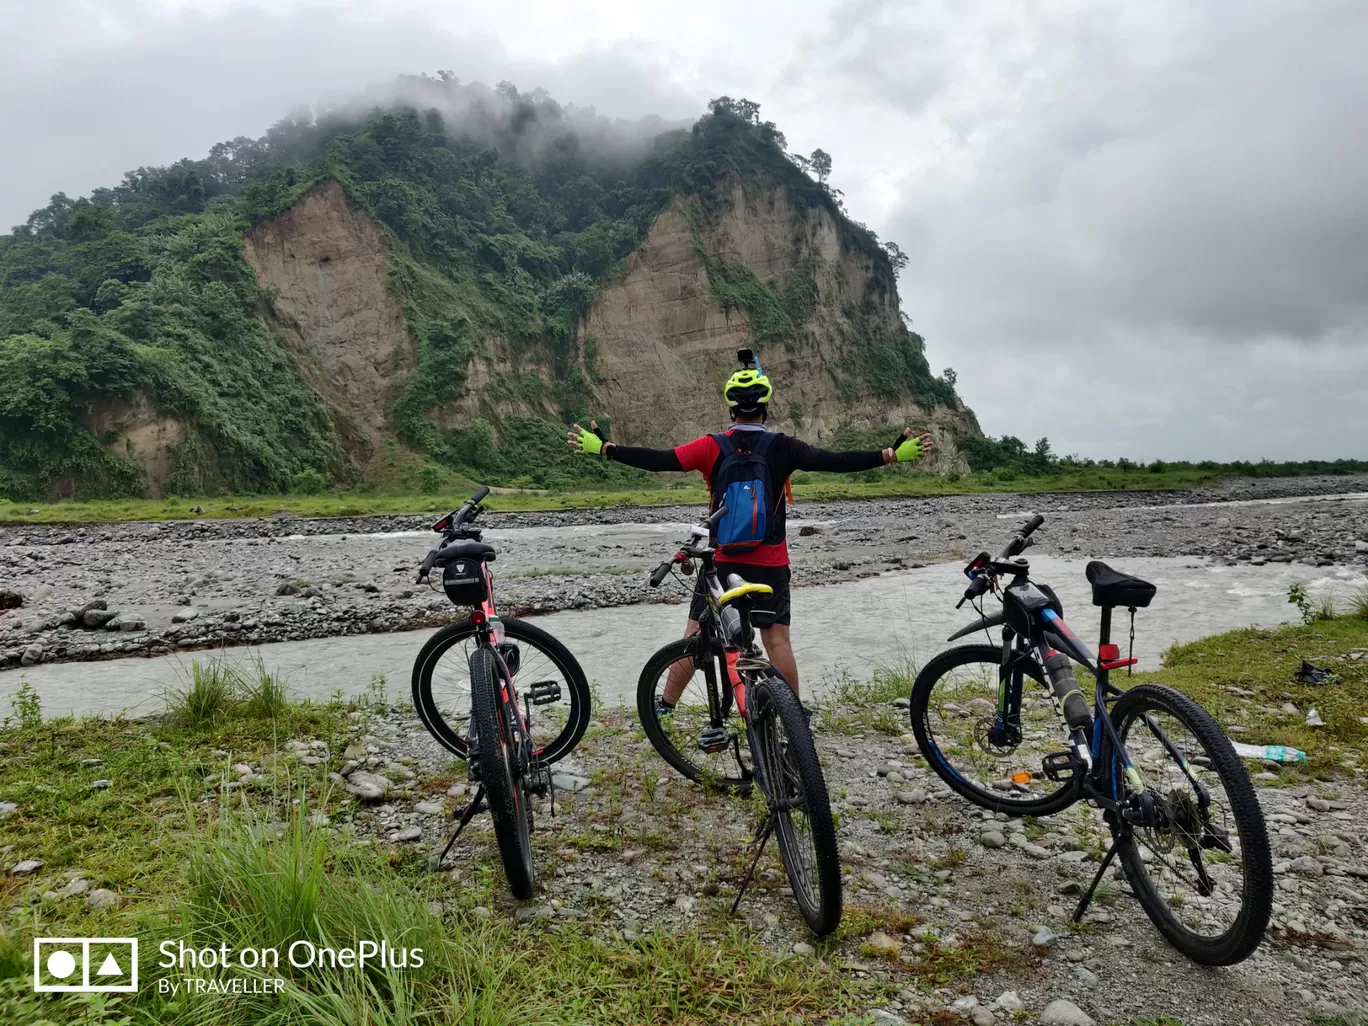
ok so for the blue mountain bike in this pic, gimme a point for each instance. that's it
(1006, 726)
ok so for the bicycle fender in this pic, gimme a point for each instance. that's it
(984, 623)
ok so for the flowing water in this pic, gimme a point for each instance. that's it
(851, 628)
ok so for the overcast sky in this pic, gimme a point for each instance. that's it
(1140, 229)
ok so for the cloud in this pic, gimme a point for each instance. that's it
(1158, 208)
(137, 88)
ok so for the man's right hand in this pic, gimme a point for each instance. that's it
(587, 442)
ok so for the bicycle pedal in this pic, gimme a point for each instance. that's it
(1060, 766)
(713, 739)
(544, 692)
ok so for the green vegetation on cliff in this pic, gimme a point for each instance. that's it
(503, 210)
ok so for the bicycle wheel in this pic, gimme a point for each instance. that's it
(500, 772)
(1204, 876)
(954, 705)
(441, 686)
(797, 796)
(677, 735)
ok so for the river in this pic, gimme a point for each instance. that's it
(852, 628)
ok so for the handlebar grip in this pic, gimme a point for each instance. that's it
(716, 518)
(428, 563)
(1031, 525)
(977, 587)
(660, 573)
(480, 495)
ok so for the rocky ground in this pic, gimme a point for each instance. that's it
(145, 588)
(948, 909)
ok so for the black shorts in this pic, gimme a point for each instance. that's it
(777, 577)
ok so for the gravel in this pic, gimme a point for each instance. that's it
(198, 584)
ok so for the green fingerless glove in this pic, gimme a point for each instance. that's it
(590, 443)
(910, 450)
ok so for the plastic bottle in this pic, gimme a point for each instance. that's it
(1066, 691)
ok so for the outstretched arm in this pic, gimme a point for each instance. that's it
(591, 443)
(904, 448)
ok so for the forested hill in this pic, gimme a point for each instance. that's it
(439, 282)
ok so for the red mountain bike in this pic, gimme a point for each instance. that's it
(466, 683)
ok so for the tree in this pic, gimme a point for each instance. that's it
(950, 376)
(895, 255)
(820, 165)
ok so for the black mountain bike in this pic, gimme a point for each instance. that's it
(465, 693)
(695, 734)
(1182, 812)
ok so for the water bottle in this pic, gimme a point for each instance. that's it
(1066, 691)
(731, 625)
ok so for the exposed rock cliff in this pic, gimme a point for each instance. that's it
(327, 266)
(655, 346)
(663, 344)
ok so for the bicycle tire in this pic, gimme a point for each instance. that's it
(818, 900)
(500, 774)
(657, 666)
(923, 708)
(1247, 930)
(452, 737)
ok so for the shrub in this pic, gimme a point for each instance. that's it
(308, 482)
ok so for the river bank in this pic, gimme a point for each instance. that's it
(150, 588)
(951, 916)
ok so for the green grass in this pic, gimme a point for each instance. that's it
(887, 483)
(249, 867)
(1265, 662)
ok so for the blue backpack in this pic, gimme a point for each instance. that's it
(740, 481)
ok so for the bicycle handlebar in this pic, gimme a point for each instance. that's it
(1018, 542)
(659, 574)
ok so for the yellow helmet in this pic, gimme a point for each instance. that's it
(747, 390)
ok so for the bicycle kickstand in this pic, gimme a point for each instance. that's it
(759, 850)
(1086, 899)
(467, 814)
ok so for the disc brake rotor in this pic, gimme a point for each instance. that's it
(984, 729)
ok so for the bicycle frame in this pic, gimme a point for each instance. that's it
(740, 652)
(1099, 783)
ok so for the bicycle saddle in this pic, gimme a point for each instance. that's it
(1113, 588)
(479, 551)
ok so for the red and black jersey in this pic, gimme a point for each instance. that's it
(785, 456)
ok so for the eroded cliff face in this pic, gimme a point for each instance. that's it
(328, 266)
(135, 429)
(656, 345)
(663, 346)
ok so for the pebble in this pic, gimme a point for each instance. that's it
(8, 809)
(804, 949)
(101, 785)
(1009, 1001)
(368, 787)
(1307, 866)
(26, 867)
(992, 839)
(913, 797)
(883, 943)
(103, 898)
(1062, 1012)
(569, 782)
(429, 808)
(412, 833)
(1044, 937)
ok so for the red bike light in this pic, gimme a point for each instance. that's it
(477, 617)
(441, 525)
(1108, 653)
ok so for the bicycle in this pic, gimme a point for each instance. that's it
(465, 693)
(1150, 758)
(778, 753)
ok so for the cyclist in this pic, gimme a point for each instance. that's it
(747, 394)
